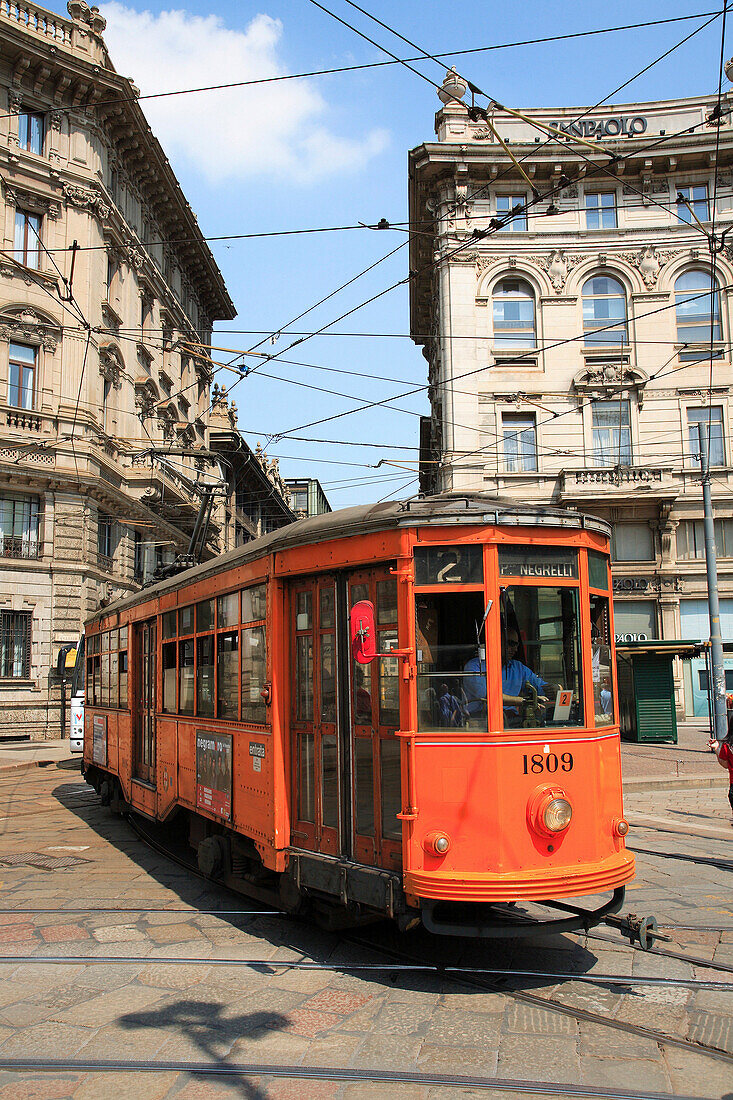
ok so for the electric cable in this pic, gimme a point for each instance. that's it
(376, 64)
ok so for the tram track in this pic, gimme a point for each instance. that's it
(496, 984)
(234, 1070)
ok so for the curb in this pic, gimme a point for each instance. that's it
(25, 765)
(664, 783)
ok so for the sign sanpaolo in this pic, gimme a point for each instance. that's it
(615, 126)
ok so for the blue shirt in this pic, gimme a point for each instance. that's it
(514, 675)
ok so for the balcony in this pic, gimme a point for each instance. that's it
(38, 19)
(23, 419)
(20, 546)
(615, 482)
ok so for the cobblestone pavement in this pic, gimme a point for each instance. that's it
(62, 854)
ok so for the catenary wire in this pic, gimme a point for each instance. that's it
(381, 64)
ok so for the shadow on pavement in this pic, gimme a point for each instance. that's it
(203, 1023)
(341, 952)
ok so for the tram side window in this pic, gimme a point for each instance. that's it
(185, 676)
(94, 671)
(227, 680)
(541, 666)
(123, 667)
(169, 677)
(254, 654)
(205, 676)
(600, 633)
(451, 675)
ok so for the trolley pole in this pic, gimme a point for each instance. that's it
(720, 719)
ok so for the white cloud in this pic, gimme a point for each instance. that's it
(279, 130)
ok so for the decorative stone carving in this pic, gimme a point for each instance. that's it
(186, 434)
(649, 261)
(55, 118)
(23, 324)
(465, 256)
(86, 199)
(15, 101)
(146, 398)
(649, 186)
(30, 201)
(600, 378)
(557, 264)
(110, 366)
(134, 257)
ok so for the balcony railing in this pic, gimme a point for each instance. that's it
(37, 19)
(105, 562)
(17, 546)
(21, 418)
(592, 480)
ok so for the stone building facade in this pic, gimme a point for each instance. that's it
(564, 306)
(101, 360)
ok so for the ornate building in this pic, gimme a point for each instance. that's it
(568, 336)
(107, 292)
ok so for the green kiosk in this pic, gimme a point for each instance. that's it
(646, 687)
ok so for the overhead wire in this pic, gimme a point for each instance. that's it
(319, 331)
(375, 64)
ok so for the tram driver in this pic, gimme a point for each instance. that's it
(515, 678)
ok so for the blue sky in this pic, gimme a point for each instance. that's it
(332, 151)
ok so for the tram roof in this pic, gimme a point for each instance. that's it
(459, 508)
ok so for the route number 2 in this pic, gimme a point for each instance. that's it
(547, 762)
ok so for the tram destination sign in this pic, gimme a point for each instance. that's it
(615, 126)
(538, 561)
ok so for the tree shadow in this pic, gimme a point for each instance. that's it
(204, 1024)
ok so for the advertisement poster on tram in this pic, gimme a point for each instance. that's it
(214, 772)
(99, 739)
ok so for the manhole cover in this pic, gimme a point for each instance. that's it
(43, 862)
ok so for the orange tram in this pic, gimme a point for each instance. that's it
(405, 709)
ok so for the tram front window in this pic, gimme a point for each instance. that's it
(446, 628)
(540, 659)
(600, 633)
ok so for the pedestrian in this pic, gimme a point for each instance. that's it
(724, 752)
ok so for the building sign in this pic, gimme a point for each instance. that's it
(99, 739)
(214, 772)
(616, 126)
(646, 584)
(538, 561)
(621, 638)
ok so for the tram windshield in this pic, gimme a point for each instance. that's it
(540, 659)
(600, 633)
(446, 627)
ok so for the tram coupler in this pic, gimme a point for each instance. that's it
(641, 930)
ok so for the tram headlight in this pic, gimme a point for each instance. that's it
(557, 815)
(549, 811)
(437, 843)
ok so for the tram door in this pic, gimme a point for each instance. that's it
(374, 716)
(314, 718)
(144, 703)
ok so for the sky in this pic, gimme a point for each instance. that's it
(332, 151)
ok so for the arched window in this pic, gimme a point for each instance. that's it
(514, 326)
(604, 313)
(697, 307)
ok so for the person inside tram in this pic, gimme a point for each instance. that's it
(451, 709)
(515, 676)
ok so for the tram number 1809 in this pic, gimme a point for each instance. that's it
(547, 762)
